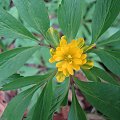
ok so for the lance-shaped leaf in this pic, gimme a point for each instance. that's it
(69, 16)
(59, 94)
(30, 113)
(25, 81)
(32, 110)
(96, 74)
(114, 38)
(105, 97)
(10, 27)
(11, 53)
(110, 59)
(115, 53)
(5, 4)
(13, 60)
(10, 79)
(76, 112)
(42, 107)
(16, 108)
(34, 13)
(105, 13)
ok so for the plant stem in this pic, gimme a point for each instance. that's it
(48, 46)
(71, 80)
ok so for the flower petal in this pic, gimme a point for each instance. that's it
(73, 43)
(60, 77)
(52, 51)
(63, 41)
(65, 72)
(70, 70)
(84, 61)
(83, 56)
(77, 61)
(59, 64)
(51, 60)
(88, 65)
(75, 67)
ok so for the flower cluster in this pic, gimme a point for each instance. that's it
(70, 57)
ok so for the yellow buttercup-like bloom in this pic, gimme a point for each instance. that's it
(70, 57)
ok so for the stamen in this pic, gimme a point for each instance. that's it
(68, 58)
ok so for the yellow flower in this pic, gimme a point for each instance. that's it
(70, 57)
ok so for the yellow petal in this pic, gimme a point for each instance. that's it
(63, 41)
(63, 37)
(59, 64)
(58, 48)
(51, 60)
(60, 69)
(88, 65)
(58, 58)
(52, 51)
(59, 54)
(76, 67)
(77, 61)
(83, 56)
(73, 43)
(76, 54)
(70, 70)
(84, 61)
(65, 72)
(60, 77)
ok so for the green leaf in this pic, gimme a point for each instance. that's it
(14, 76)
(76, 112)
(65, 100)
(5, 4)
(44, 102)
(30, 114)
(96, 73)
(105, 13)
(90, 76)
(10, 79)
(25, 81)
(34, 13)
(18, 105)
(114, 38)
(13, 60)
(115, 53)
(111, 61)
(53, 37)
(69, 16)
(10, 53)
(59, 94)
(105, 97)
(10, 27)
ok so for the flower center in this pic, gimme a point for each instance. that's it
(68, 58)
